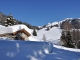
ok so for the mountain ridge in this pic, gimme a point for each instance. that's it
(74, 21)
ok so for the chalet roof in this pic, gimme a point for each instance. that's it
(22, 31)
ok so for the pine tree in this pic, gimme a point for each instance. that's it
(10, 21)
(34, 32)
(69, 40)
(63, 35)
(47, 29)
(78, 35)
(51, 26)
(63, 39)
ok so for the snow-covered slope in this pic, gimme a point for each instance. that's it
(4, 30)
(52, 35)
(30, 50)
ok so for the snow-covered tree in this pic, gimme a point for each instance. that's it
(69, 40)
(10, 21)
(44, 37)
(63, 39)
(66, 38)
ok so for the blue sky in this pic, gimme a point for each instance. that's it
(40, 12)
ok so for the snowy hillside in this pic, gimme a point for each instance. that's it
(36, 48)
(52, 35)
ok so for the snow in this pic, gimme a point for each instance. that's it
(30, 50)
(19, 27)
(1, 26)
(46, 51)
(31, 38)
(65, 48)
(54, 23)
(66, 19)
(10, 54)
(17, 45)
(35, 48)
(53, 35)
(40, 26)
(32, 58)
(4, 29)
(14, 28)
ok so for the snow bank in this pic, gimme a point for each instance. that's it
(65, 48)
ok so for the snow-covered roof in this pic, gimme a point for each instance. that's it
(13, 28)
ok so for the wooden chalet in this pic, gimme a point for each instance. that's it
(21, 34)
(18, 35)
